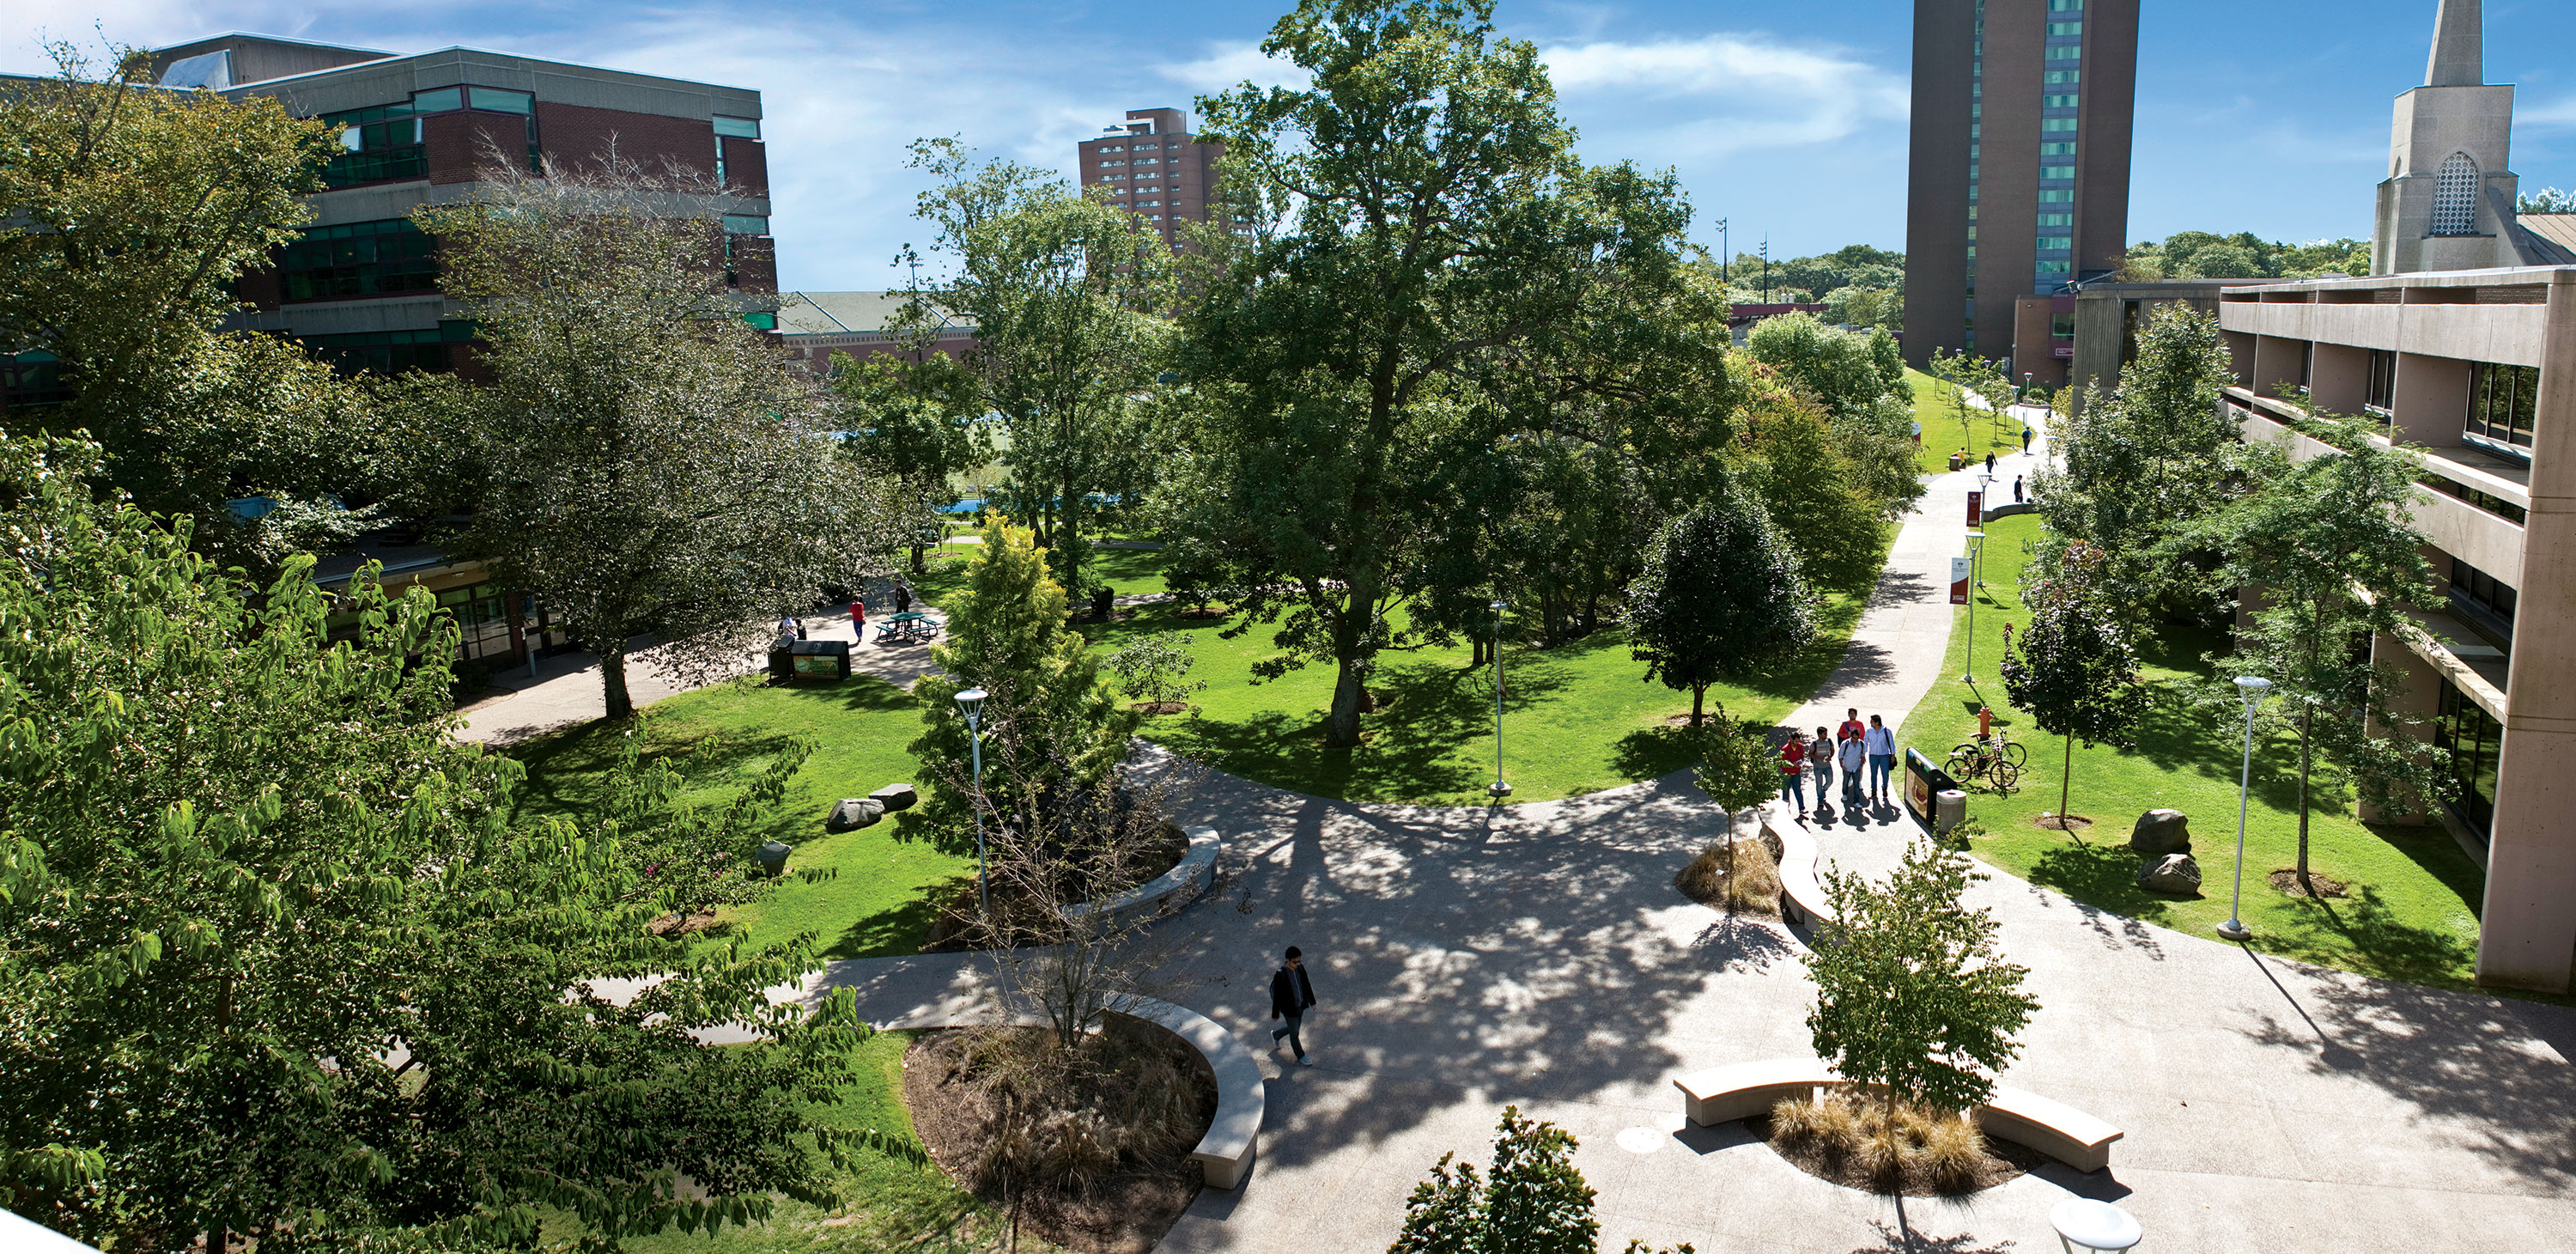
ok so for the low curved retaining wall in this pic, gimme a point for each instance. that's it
(1170, 891)
(1242, 1100)
(2053, 1128)
(1802, 895)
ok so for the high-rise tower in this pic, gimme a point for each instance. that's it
(2019, 180)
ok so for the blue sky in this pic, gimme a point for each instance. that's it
(1786, 118)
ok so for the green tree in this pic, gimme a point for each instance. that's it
(273, 962)
(1444, 268)
(1066, 292)
(2141, 466)
(132, 211)
(918, 425)
(1811, 491)
(1839, 369)
(2328, 553)
(1739, 770)
(1721, 597)
(1156, 668)
(1533, 1202)
(1912, 994)
(1978, 387)
(647, 462)
(2072, 665)
(1007, 636)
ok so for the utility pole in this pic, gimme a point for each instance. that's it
(1766, 267)
(1725, 255)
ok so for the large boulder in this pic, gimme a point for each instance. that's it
(854, 813)
(2160, 832)
(895, 797)
(2174, 873)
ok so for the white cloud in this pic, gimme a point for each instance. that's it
(1726, 92)
(2557, 115)
(1228, 64)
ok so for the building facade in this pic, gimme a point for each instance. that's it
(1153, 167)
(2450, 199)
(2478, 369)
(361, 285)
(2019, 171)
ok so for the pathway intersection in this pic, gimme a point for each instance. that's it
(1537, 954)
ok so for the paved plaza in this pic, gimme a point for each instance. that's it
(1538, 954)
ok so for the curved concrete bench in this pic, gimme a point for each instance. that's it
(1225, 1153)
(1722, 1094)
(1802, 895)
(1164, 893)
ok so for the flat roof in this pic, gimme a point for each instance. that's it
(396, 58)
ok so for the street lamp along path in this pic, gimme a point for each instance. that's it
(2251, 688)
(971, 704)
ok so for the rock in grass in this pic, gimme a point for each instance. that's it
(2160, 832)
(895, 797)
(854, 813)
(2175, 873)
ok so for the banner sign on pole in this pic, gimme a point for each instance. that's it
(1976, 508)
(1959, 569)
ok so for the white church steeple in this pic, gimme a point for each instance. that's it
(2448, 202)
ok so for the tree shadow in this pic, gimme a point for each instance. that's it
(897, 931)
(2327, 932)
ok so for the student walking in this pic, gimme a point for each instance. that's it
(2025, 440)
(1820, 755)
(1881, 744)
(1851, 728)
(1853, 759)
(1793, 764)
(859, 619)
(903, 591)
(2016, 489)
(1990, 461)
(1291, 994)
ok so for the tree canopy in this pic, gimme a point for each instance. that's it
(1722, 596)
(273, 961)
(2202, 255)
(2073, 666)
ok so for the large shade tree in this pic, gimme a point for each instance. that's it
(1066, 292)
(274, 963)
(1721, 598)
(1425, 255)
(131, 212)
(641, 457)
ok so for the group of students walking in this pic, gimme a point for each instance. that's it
(1854, 748)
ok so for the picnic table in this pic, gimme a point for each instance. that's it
(908, 626)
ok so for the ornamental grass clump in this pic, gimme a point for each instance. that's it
(1898, 1147)
(1739, 875)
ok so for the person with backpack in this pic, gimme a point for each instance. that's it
(1881, 743)
(1853, 758)
(1291, 995)
(1820, 757)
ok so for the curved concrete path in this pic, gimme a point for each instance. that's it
(1537, 954)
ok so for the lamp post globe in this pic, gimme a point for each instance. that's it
(2251, 689)
(1498, 788)
(971, 704)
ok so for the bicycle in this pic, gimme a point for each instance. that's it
(1997, 760)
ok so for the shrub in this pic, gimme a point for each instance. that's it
(1744, 878)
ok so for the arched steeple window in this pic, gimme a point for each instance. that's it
(2455, 196)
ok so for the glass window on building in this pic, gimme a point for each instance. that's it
(392, 352)
(2502, 403)
(749, 128)
(2380, 395)
(2475, 741)
(33, 378)
(2483, 601)
(482, 613)
(358, 259)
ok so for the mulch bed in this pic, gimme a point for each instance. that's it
(1160, 707)
(2287, 880)
(1125, 1213)
(2004, 1161)
(2061, 822)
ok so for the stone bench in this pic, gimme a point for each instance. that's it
(1802, 895)
(1745, 1089)
(1164, 893)
(2053, 1128)
(1225, 1153)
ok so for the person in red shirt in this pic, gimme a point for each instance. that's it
(1852, 728)
(858, 620)
(1793, 761)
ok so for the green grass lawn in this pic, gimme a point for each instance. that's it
(1942, 434)
(2412, 912)
(1577, 718)
(720, 738)
(889, 1204)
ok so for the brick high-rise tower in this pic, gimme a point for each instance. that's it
(2019, 178)
(1153, 166)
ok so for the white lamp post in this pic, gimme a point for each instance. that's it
(2251, 688)
(1499, 788)
(971, 703)
(1976, 548)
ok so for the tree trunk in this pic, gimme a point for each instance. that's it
(612, 684)
(2065, 783)
(1699, 695)
(919, 566)
(1359, 604)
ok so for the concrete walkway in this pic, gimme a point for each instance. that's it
(1537, 954)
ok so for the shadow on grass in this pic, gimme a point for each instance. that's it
(2103, 875)
(2331, 933)
(898, 931)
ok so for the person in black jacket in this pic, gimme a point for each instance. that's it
(1290, 994)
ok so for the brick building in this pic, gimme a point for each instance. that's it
(362, 284)
(1154, 167)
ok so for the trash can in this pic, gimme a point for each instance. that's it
(820, 659)
(782, 663)
(772, 857)
(1950, 809)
